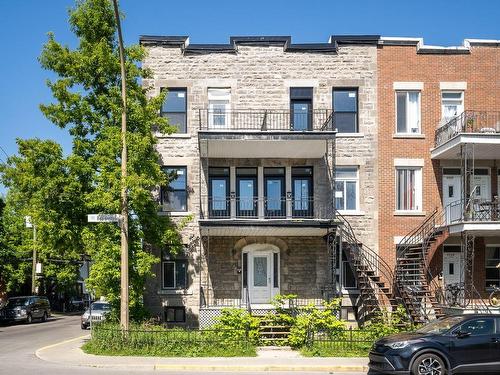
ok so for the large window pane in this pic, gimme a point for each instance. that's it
(408, 182)
(180, 275)
(174, 196)
(273, 193)
(401, 112)
(346, 188)
(168, 274)
(345, 108)
(174, 108)
(301, 115)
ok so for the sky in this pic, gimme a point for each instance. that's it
(24, 25)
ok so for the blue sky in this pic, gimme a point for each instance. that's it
(24, 24)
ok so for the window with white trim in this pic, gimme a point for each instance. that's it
(346, 188)
(408, 112)
(219, 107)
(408, 188)
(492, 266)
(452, 104)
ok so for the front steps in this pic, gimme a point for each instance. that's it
(272, 333)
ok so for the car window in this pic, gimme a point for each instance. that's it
(101, 306)
(477, 327)
(441, 325)
(16, 302)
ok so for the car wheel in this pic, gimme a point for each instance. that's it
(44, 317)
(83, 326)
(428, 364)
(29, 319)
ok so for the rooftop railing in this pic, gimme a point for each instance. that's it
(468, 122)
(266, 120)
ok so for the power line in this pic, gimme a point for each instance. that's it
(1, 148)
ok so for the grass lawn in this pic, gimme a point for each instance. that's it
(161, 342)
(321, 350)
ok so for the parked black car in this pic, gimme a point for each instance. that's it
(450, 345)
(25, 309)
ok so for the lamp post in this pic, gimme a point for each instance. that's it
(124, 313)
(29, 224)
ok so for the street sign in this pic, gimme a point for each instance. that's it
(103, 218)
(27, 220)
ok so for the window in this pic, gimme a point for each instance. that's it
(452, 104)
(218, 190)
(476, 327)
(174, 272)
(219, 107)
(174, 108)
(175, 314)
(246, 192)
(302, 192)
(408, 112)
(174, 196)
(409, 189)
(346, 188)
(301, 108)
(274, 191)
(492, 266)
(345, 110)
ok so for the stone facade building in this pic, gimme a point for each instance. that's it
(282, 148)
(254, 156)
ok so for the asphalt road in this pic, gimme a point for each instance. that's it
(18, 343)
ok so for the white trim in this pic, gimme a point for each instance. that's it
(408, 136)
(459, 86)
(409, 213)
(356, 179)
(350, 135)
(264, 249)
(407, 113)
(408, 162)
(416, 86)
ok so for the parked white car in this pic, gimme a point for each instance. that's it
(96, 313)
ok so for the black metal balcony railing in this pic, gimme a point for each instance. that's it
(266, 120)
(262, 208)
(468, 122)
(473, 210)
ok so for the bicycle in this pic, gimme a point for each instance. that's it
(455, 295)
(495, 296)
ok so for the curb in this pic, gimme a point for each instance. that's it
(206, 367)
(268, 368)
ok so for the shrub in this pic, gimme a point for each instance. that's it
(237, 324)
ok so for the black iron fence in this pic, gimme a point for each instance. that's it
(468, 122)
(266, 120)
(263, 208)
(158, 337)
(343, 340)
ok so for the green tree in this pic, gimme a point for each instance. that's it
(41, 185)
(88, 104)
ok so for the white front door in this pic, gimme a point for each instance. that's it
(452, 192)
(452, 265)
(260, 287)
(482, 186)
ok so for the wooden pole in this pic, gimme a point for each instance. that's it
(124, 297)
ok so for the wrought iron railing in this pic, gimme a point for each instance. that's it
(265, 120)
(472, 210)
(263, 208)
(468, 122)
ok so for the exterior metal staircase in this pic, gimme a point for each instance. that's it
(414, 281)
(373, 275)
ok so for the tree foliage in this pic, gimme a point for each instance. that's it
(42, 186)
(87, 102)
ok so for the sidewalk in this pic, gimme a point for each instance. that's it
(68, 353)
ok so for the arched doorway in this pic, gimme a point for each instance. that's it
(261, 272)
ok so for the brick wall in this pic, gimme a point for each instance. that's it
(480, 69)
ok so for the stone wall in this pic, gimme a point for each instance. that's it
(259, 78)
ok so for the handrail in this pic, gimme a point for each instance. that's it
(366, 257)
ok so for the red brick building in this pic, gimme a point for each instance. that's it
(439, 152)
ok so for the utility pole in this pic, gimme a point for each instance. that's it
(29, 224)
(124, 312)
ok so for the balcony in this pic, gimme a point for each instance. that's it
(479, 215)
(265, 133)
(470, 127)
(228, 216)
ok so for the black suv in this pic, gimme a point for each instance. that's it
(25, 309)
(450, 345)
